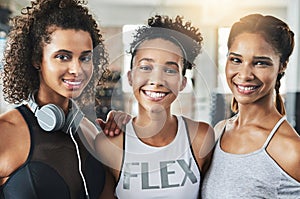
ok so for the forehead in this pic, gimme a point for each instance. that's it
(252, 43)
(71, 38)
(162, 45)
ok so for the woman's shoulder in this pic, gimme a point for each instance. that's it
(202, 140)
(201, 134)
(14, 141)
(287, 135)
(103, 141)
(108, 148)
(11, 121)
(198, 128)
(285, 149)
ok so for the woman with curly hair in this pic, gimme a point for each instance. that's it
(54, 53)
(160, 155)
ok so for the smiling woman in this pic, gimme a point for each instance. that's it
(160, 155)
(54, 53)
(258, 152)
(66, 69)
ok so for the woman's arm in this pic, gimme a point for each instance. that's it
(109, 186)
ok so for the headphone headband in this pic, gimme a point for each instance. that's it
(52, 118)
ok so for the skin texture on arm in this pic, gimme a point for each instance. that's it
(219, 128)
(285, 149)
(202, 139)
(110, 152)
(14, 143)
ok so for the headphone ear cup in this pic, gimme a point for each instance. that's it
(50, 117)
(73, 118)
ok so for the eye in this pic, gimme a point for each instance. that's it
(86, 58)
(171, 71)
(145, 68)
(235, 60)
(262, 63)
(62, 57)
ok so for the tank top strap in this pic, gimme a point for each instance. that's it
(223, 129)
(273, 131)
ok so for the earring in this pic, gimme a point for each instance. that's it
(38, 68)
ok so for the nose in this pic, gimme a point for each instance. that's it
(156, 77)
(75, 68)
(245, 73)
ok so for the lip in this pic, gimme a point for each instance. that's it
(73, 84)
(246, 89)
(154, 95)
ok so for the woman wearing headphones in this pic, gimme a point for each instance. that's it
(54, 53)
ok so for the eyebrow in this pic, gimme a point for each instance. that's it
(263, 57)
(255, 57)
(234, 54)
(69, 52)
(152, 60)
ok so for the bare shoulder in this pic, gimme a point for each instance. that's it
(14, 142)
(110, 149)
(285, 149)
(202, 139)
(11, 124)
(199, 129)
(219, 128)
(103, 141)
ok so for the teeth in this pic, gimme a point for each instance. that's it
(246, 88)
(155, 94)
(72, 83)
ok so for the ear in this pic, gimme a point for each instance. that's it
(183, 83)
(129, 77)
(283, 67)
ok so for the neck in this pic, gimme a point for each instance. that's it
(155, 128)
(44, 97)
(256, 113)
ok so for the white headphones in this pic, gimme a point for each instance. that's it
(51, 118)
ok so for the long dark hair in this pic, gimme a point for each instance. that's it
(277, 33)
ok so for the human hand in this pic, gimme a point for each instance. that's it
(115, 122)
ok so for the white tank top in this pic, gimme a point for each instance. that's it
(248, 176)
(158, 172)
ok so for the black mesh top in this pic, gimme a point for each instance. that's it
(51, 169)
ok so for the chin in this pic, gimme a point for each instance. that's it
(157, 109)
(74, 94)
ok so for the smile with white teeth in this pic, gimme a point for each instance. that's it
(246, 88)
(73, 83)
(155, 94)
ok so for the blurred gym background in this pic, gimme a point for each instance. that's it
(206, 97)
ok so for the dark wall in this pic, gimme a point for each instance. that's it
(292, 104)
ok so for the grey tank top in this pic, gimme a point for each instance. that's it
(248, 176)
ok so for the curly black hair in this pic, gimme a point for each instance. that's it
(184, 35)
(31, 30)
